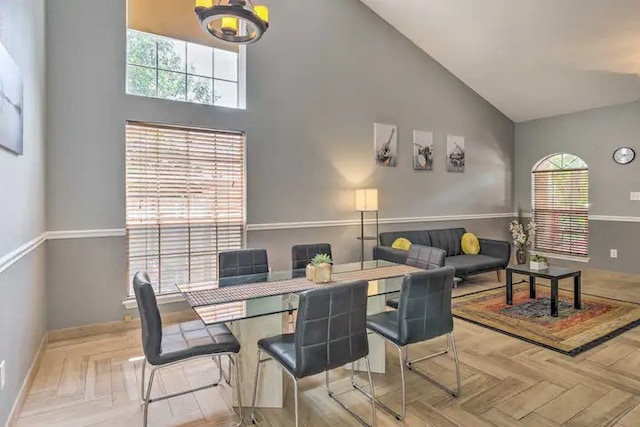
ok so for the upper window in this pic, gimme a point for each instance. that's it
(560, 197)
(185, 191)
(161, 67)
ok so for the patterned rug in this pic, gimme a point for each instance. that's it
(572, 332)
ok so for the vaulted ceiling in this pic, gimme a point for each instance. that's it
(529, 58)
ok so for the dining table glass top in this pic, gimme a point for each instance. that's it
(268, 305)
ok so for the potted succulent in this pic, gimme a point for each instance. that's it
(538, 262)
(319, 269)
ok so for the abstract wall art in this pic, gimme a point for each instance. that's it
(386, 144)
(11, 105)
(455, 153)
(423, 150)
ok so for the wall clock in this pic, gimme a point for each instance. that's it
(624, 155)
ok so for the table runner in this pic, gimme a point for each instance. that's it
(282, 287)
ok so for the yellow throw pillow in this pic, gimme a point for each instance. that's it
(470, 244)
(401, 243)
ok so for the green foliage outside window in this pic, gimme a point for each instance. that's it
(159, 67)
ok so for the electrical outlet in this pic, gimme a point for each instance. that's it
(2, 375)
(635, 196)
(614, 253)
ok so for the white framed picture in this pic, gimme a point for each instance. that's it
(385, 144)
(423, 150)
(455, 153)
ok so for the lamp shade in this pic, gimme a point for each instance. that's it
(204, 3)
(262, 12)
(367, 199)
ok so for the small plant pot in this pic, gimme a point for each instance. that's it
(319, 273)
(537, 265)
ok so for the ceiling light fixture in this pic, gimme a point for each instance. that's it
(234, 21)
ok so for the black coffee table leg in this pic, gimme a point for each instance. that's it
(532, 287)
(509, 287)
(577, 292)
(554, 297)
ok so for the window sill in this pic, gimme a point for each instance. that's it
(562, 257)
(132, 304)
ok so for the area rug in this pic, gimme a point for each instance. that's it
(571, 333)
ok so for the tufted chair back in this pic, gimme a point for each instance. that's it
(242, 262)
(425, 257)
(331, 329)
(424, 308)
(302, 254)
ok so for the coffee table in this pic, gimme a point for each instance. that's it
(555, 274)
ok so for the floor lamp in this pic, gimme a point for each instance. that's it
(366, 201)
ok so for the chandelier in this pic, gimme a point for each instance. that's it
(234, 21)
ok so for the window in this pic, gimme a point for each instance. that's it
(560, 195)
(160, 67)
(185, 191)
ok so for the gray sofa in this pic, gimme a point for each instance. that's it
(494, 254)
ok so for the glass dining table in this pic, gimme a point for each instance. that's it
(246, 305)
(252, 312)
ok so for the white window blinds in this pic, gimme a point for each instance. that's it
(561, 205)
(185, 191)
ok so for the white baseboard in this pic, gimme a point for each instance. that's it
(26, 384)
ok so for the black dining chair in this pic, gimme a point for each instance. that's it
(330, 332)
(425, 257)
(424, 313)
(301, 255)
(242, 262)
(164, 347)
(237, 267)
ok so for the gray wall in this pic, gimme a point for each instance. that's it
(313, 95)
(592, 135)
(22, 218)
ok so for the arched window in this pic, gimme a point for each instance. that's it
(560, 198)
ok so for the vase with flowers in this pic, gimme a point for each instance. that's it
(522, 236)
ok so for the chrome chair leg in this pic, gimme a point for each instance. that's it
(431, 380)
(255, 389)
(144, 366)
(373, 393)
(402, 380)
(295, 398)
(455, 357)
(356, 386)
(226, 376)
(147, 393)
(420, 359)
(147, 399)
(238, 391)
(326, 380)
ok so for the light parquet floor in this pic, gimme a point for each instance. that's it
(95, 381)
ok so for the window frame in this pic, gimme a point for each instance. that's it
(539, 167)
(239, 83)
(173, 294)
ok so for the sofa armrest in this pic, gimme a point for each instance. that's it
(497, 249)
(388, 253)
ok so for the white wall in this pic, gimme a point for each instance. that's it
(22, 201)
